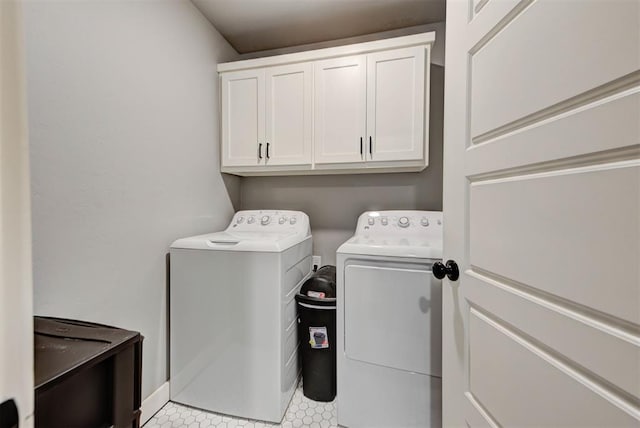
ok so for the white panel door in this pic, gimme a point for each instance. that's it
(289, 106)
(16, 297)
(340, 110)
(243, 118)
(542, 214)
(396, 118)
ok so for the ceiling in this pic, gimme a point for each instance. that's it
(256, 25)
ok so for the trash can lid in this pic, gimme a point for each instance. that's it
(322, 284)
(316, 302)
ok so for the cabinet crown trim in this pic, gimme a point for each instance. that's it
(325, 53)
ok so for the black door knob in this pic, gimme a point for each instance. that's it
(450, 269)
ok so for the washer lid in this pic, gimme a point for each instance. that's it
(240, 241)
(254, 230)
(393, 246)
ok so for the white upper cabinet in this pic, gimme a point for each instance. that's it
(289, 132)
(370, 108)
(396, 105)
(349, 109)
(266, 116)
(243, 119)
(340, 113)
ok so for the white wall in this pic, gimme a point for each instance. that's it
(16, 321)
(123, 118)
(334, 202)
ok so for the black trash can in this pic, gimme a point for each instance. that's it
(317, 333)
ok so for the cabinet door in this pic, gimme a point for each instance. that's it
(340, 101)
(288, 114)
(396, 105)
(243, 118)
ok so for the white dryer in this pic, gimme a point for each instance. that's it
(389, 321)
(233, 338)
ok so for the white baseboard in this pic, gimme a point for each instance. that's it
(154, 402)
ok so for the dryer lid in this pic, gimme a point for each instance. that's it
(397, 234)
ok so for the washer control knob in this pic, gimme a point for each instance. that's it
(282, 220)
(240, 219)
(251, 219)
(384, 221)
(265, 220)
(371, 221)
(403, 222)
(293, 220)
(424, 221)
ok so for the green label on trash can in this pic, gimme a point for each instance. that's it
(318, 338)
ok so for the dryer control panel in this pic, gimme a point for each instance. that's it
(424, 224)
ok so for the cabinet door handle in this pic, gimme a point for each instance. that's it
(361, 147)
(370, 147)
(260, 151)
(267, 150)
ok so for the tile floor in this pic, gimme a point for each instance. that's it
(302, 413)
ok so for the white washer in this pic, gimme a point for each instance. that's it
(389, 315)
(233, 314)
